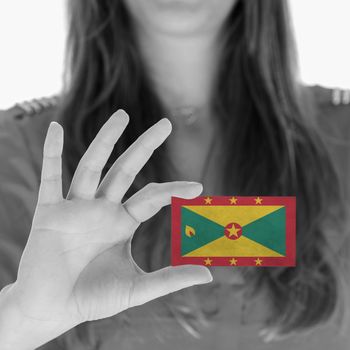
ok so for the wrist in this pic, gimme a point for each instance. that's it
(20, 331)
(12, 329)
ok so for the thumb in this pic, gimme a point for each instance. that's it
(167, 280)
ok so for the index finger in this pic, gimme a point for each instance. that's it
(88, 173)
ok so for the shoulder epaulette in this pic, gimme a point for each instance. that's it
(331, 96)
(340, 96)
(35, 106)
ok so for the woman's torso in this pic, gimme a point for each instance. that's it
(148, 326)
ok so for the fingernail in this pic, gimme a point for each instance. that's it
(54, 124)
(208, 276)
(196, 186)
(165, 123)
(209, 279)
(121, 115)
(55, 128)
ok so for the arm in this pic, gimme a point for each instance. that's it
(17, 331)
(18, 193)
(77, 264)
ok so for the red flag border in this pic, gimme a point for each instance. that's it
(288, 201)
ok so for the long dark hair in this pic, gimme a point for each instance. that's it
(269, 139)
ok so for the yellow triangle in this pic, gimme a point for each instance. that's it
(242, 246)
(223, 215)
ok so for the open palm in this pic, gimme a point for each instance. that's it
(77, 264)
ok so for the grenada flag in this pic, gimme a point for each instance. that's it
(233, 231)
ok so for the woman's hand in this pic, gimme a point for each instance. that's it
(77, 264)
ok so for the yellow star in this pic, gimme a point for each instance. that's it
(233, 261)
(233, 200)
(233, 231)
(258, 262)
(208, 200)
(208, 261)
(258, 200)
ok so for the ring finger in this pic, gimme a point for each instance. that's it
(123, 172)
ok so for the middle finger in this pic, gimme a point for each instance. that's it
(123, 172)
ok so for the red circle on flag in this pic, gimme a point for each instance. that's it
(233, 230)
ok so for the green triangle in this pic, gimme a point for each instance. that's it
(206, 231)
(270, 231)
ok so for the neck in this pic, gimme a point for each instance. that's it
(181, 68)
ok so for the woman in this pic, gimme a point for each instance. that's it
(223, 72)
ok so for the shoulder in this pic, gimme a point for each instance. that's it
(22, 133)
(23, 129)
(332, 108)
(332, 116)
(30, 110)
(330, 97)
(28, 119)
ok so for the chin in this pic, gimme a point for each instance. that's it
(180, 16)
